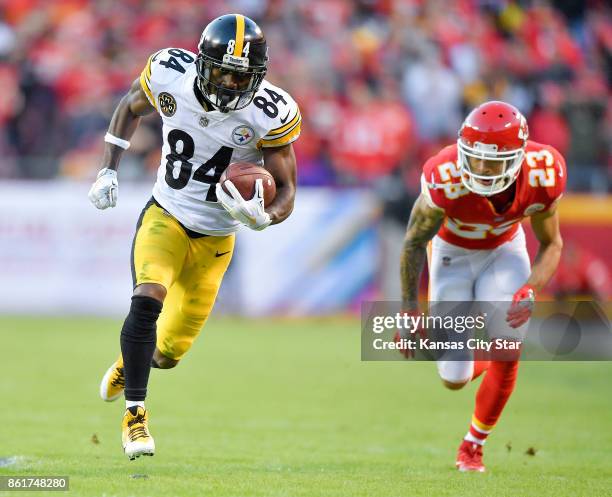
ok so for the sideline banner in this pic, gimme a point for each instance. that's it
(61, 256)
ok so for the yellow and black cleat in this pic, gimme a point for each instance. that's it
(113, 382)
(135, 436)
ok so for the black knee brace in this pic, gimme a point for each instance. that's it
(138, 337)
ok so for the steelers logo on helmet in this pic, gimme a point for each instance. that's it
(232, 62)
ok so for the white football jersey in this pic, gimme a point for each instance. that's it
(199, 144)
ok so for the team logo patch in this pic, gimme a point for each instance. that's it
(167, 104)
(203, 121)
(533, 208)
(242, 135)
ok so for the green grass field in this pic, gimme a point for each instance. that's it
(286, 408)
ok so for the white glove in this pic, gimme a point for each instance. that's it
(103, 193)
(249, 212)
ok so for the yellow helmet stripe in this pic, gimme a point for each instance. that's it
(239, 35)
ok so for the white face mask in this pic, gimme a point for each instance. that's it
(511, 160)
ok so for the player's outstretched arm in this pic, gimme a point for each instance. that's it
(131, 108)
(546, 229)
(424, 223)
(124, 122)
(280, 161)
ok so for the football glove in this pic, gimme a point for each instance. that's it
(103, 193)
(251, 213)
(522, 306)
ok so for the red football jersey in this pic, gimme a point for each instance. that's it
(471, 220)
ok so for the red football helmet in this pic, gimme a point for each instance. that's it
(493, 131)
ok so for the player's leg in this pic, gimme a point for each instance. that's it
(507, 271)
(480, 366)
(113, 382)
(452, 271)
(161, 361)
(156, 260)
(158, 253)
(190, 300)
(112, 385)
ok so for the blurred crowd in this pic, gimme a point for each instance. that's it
(382, 84)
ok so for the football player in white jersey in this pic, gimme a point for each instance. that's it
(216, 109)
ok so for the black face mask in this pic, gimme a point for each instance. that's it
(223, 98)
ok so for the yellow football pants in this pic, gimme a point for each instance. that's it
(191, 269)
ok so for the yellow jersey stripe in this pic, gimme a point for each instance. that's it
(283, 140)
(148, 67)
(239, 35)
(145, 86)
(280, 135)
(285, 127)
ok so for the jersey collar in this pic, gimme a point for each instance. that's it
(199, 103)
(200, 96)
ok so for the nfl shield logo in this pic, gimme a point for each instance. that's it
(203, 121)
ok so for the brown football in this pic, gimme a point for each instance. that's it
(244, 175)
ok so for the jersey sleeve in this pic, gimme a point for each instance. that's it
(438, 190)
(549, 179)
(145, 81)
(162, 68)
(561, 173)
(431, 200)
(285, 126)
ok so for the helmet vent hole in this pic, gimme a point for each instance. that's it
(484, 112)
(500, 115)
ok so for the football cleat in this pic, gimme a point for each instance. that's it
(113, 382)
(135, 436)
(469, 457)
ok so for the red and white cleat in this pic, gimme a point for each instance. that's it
(469, 457)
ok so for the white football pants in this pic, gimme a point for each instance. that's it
(462, 275)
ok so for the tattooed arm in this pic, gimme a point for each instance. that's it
(424, 223)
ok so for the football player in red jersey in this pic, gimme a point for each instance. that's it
(474, 195)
